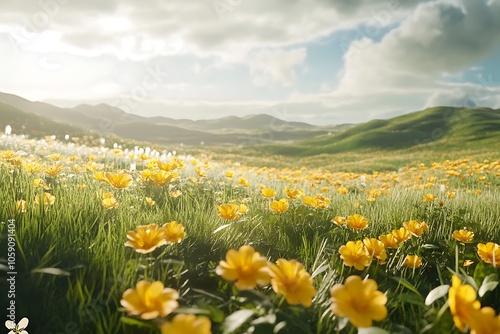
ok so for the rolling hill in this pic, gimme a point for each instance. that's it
(34, 125)
(439, 125)
(439, 128)
(104, 120)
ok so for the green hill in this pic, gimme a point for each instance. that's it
(439, 125)
(105, 120)
(34, 125)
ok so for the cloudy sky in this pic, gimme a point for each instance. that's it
(319, 61)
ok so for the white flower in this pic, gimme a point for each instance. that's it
(19, 328)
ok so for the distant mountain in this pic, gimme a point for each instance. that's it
(104, 119)
(447, 127)
(440, 125)
(235, 123)
(22, 122)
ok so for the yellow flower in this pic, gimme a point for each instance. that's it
(16, 162)
(174, 232)
(308, 200)
(413, 261)
(201, 172)
(99, 176)
(150, 201)
(451, 194)
(179, 163)
(429, 198)
(55, 157)
(48, 199)
(268, 192)
(320, 202)
(280, 206)
(374, 193)
(416, 228)
(107, 195)
(339, 220)
(342, 190)
(463, 235)
(150, 300)
(146, 175)
(109, 202)
(228, 211)
(243, 182)
(161, 177)
(389, 241)
(401, 234)
(168, 167)
(118, 180)
(468, 263)
(359, 300)
(357, 222)
(355, 255)
(293, 193)
(485, 321)
(55, 170)
(146, 238)
(187, 323)
(21, 205)
(242, 209)
(462, 299)
(246, 267)
(89, 167)
(32, 167)
(375, 248)
(195, 180)
(175, 193)
(489, 253)
(7, 155)
(289, 278)
(229, 174)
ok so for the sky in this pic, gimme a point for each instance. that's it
(321, 62)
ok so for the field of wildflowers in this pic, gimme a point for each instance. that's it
(134, 240)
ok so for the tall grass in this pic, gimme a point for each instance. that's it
(73, 266)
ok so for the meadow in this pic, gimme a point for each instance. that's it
(113, 239)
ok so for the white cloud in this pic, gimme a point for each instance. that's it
(87, 49)
(438, 38)
(466, 95)
(268, 67)
(131, 29)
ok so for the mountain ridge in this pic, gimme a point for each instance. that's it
(106, 119)
(448, 126)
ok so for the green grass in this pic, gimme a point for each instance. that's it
(436, 126)
(85, 242)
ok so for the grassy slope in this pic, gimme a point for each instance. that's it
(441, 124)
(434, 134)
(34, 125)
(430, 135)
(38, 127)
